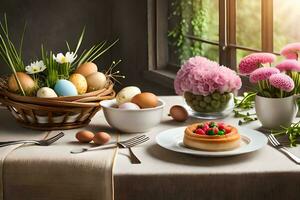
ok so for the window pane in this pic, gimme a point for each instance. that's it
(199, 18)
(286, 22)
(248, 23)
(210, 51)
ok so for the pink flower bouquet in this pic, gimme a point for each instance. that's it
(205, 84)
(273, 82)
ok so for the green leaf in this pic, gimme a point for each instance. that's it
(22, 39)
(80, 40)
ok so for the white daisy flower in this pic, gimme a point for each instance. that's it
(35, 67)
(68, 58)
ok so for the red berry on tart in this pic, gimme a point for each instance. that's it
(211, 136)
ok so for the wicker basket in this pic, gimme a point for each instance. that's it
(54, 113)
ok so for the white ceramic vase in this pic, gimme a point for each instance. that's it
(276, 112)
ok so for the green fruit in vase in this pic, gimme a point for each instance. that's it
(215, 102)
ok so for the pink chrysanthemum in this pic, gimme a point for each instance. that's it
(262, 73)
(290, 51)
(289, 65)
(202, 76)
(251, 62)
(282, 81)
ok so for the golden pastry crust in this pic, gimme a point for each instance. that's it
(211, 142)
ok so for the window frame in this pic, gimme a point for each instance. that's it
(158, 59)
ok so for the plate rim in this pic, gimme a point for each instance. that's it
(217, 153)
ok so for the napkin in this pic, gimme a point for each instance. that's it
(52, 172)
(10, 130)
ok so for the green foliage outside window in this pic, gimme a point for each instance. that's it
(191, 17)
(200, 18)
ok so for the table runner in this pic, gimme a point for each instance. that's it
(51, 172)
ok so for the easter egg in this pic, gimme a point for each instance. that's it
(126, 94)
(86, 69)
(46, 92)
(129, 106)
(101, 138)
(84, 136)
(26, 82)
(65, 88)
(80, 83)
(96, 81)
(179, 113)
(145, 100)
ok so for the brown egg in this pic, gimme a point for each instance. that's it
(178, 113)
(26, 82)
(84, 136)
(145, 100)
(101, 138)
(86, 69)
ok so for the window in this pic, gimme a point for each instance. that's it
(222, 30)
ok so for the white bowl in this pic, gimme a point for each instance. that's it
(132, 121)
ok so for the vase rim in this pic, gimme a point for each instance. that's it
(292, 96)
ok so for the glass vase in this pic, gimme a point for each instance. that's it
(213, 106)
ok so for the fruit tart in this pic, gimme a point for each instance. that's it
(211, 136)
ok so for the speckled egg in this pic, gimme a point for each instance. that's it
(46, 92)
(126, 94)
(80, 83)
(129, 106)
(65, 88)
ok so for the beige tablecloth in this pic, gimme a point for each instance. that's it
(42, 173)
(163, 174)
(51, 172)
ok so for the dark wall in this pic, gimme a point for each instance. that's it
(51, 22)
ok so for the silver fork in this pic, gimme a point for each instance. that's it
(133, 158)
(38, 142)
(280, 147)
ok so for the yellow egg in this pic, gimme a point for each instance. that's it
(80, 83)
(145, 100)
(86, 69)
(96, 81)
(26, 82)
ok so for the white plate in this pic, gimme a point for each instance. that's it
(251, 140)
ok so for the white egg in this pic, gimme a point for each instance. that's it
(46, 92)
(126, 94)
(129, 106)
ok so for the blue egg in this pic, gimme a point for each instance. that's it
(65, 88)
